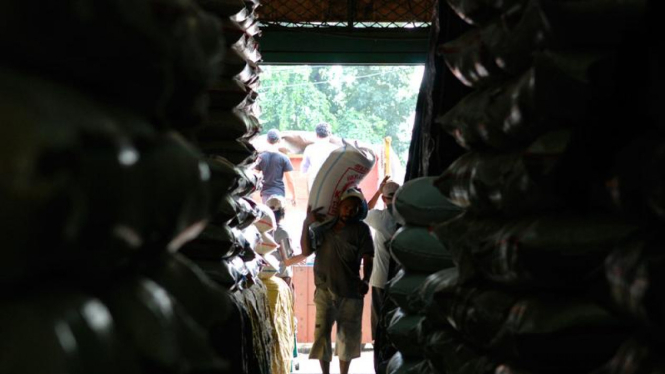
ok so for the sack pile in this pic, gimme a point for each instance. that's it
(555, 252)
(101, 189)
(418, 204)
(236, 248)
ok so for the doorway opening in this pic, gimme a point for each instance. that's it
(373, 104)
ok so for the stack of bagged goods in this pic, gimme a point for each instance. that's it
(231, 249)
(98, 194)
(550, 217)
(233, 110)
(417, 206)
(280, 298)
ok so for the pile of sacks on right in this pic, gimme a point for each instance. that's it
(555, 259)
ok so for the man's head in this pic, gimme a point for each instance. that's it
(276, 204)
(350, 205)
(388, 192)
(322, 130)
(273, 136)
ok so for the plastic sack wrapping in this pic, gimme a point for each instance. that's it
(505, 46)
(248, 182)
(479, 12)
(233, 9)
(280, 302)
(401, 287)
(636, 355)
(636, 186)
(634, 273)
(164, 55)
(253, 267)
(223, 177)
(511, 183)
(258, 343)
(238, 152)
(513, 113)
(448, 353)
(152, 194)
(343, 169)
(162, 333)
(500, 50)
(425, 300)
(403, 334)
(253, 236)
(226, 125)
(265, 222)
(214, 243)
(233, 64)
(419, 250)
(227, 93)
(271, 266)
(35, 327)
(418, 202)
(400, 365)
(203, 300)
(246, 214)
(225, 211)
(548, 251)
(544, 332)
(267, 244)
(227, 273)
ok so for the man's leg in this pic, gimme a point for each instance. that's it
(325, 366)
(325, 317)
(349, 335)
(344, 366)
(376, 309)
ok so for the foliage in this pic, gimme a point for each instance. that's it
(366, 103)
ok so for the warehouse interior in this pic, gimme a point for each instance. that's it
(531, 212)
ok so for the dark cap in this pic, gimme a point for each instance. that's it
(273, 136)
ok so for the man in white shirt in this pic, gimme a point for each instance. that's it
(316, 153)
(383, 227)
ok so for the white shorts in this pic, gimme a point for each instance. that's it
(347, 312)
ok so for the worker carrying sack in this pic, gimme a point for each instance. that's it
(343, 169)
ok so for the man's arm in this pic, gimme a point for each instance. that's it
(367, 250)
(368, 264)
(304, 166)
(295, 260)
(312, 216)
(290, 186)
(372, 202)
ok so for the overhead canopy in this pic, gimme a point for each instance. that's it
(348, 12)
(351, 31)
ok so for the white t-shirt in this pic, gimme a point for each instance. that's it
(383, 226)
(313, 158)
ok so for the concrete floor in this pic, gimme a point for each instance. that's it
(362, 365)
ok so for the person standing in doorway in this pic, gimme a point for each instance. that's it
(341, 246)
(275, 167)
(316, 153)
(383, 225)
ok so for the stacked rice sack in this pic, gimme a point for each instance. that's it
(98, 193)
(542, 126)
(344, 168)
(231, 248)
(417, 206)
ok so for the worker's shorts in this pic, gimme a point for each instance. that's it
(347, 312)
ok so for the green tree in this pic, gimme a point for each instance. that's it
(366, 103)
(290, 101)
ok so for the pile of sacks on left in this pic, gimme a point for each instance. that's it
(156, 57)
(96, 196)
